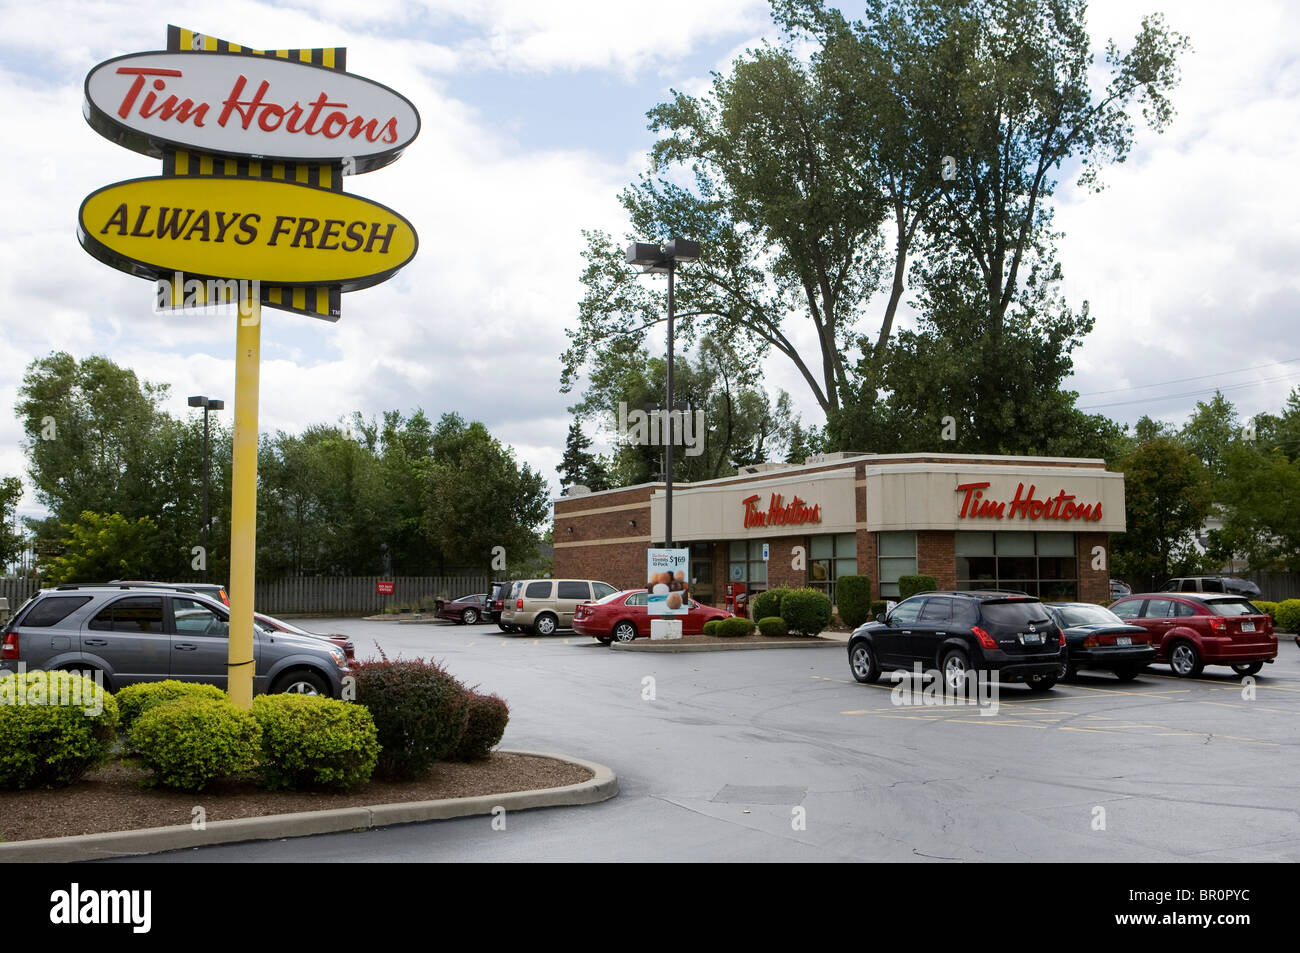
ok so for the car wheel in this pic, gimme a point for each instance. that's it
(301, 683)
(1066, 672)
(1184, 660)
(469, 617)
(1248, 668)
(1127, 674)
(504, 627)
(544, 624)
(863, 663)
(1042, 685)
(624, 632)
(955, 666)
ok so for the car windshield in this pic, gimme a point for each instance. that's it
(1087, 615)
(1019, 612)
(1230, 607)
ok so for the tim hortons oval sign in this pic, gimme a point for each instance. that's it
(282, 233)
(248, 105)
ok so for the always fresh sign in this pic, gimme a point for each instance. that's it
(281, 233)
(248, 105)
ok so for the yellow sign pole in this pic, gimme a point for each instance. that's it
(243, 501)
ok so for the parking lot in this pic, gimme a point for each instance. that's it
(780, 755)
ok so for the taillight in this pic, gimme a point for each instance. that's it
(519, 603)
(1218, 625)
(224, 597)
(10, 646)
(986, 640)
(1062, 637)
(1089, 641)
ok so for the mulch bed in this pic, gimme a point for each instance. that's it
(111, 798)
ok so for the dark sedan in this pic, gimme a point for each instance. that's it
(466, 610)
(1097, 638)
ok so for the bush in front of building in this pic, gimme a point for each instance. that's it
(191, 742)
(309, 741)
(54, 727)
(879, 607)
(853, 599)
(1287, 617)
(806, 611)
(734, 628)
(774, 626)
(711, 627)
(1268, 608)
(767, 604)
(909, 586)
(420, 712)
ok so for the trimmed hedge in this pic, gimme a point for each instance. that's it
(733, 628)
(909, 586)
(488, 717)
(190, 742)
(806, 611)
(1269, 608)
(420, 712)
(853, 599)
(1287, 617)
(54, 727)
(309, 741)
(711, 627)
(767, 604)
(878, 607)
(773, 625)
(134, 700)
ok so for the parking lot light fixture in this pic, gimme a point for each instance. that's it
(663, 259)
(208, 404)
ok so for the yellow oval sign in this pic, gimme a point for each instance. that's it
(281, 233)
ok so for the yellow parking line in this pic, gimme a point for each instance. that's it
(1096, 731)
(992, 720)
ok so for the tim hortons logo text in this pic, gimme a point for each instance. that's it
(1025, 505)
(779, 513)
(246, 106)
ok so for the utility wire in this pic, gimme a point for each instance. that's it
(1193, 393)
(1184, 380)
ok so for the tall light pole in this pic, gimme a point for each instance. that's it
(207, 403)
(658, 259)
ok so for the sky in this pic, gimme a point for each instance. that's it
(533, 120)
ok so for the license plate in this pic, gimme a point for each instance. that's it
(1248, 627)
(1124, 640)
(1032, 638)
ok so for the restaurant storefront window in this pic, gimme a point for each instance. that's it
(830, 557)
(746, 563)
(1041, 564)
(897, 558)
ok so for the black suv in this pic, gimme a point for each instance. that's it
(1010, 634)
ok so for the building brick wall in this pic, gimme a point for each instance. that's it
(1094, 584)
(936, 556)
(867, 565)
(780, 557)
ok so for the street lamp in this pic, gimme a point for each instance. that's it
(207, 403)
(656, 259)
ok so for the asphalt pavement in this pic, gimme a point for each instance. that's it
(781, 756)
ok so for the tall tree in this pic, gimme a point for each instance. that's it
(579, 465)
(11, 541)
(1166, 500)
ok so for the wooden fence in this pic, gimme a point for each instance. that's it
(320, 595)
(1276, 586)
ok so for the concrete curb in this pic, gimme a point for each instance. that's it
(602, 786)
(670, 645)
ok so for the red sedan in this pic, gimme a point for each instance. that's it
(622, 616)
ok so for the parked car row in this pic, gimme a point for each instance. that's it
(1021, 639)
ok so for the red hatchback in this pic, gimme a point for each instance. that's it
(622, 616)
(1191, 630)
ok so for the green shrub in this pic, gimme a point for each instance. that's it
(909, 586)
(488, 716)
(711, 627)
(767, 604)
(420, 712)
(54, 727)
(134, 700)
(309, 741)
(190, 742)
(734, 628)
(853, 599)
(878, 607)
(806, 611)
(1288, 615)
(773, 625)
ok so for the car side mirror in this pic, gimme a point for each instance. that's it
(880, 617)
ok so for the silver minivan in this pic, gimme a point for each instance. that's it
(543, 606)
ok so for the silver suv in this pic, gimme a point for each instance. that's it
(541, 606)
(144, 634)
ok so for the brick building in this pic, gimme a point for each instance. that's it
(1041, 524)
